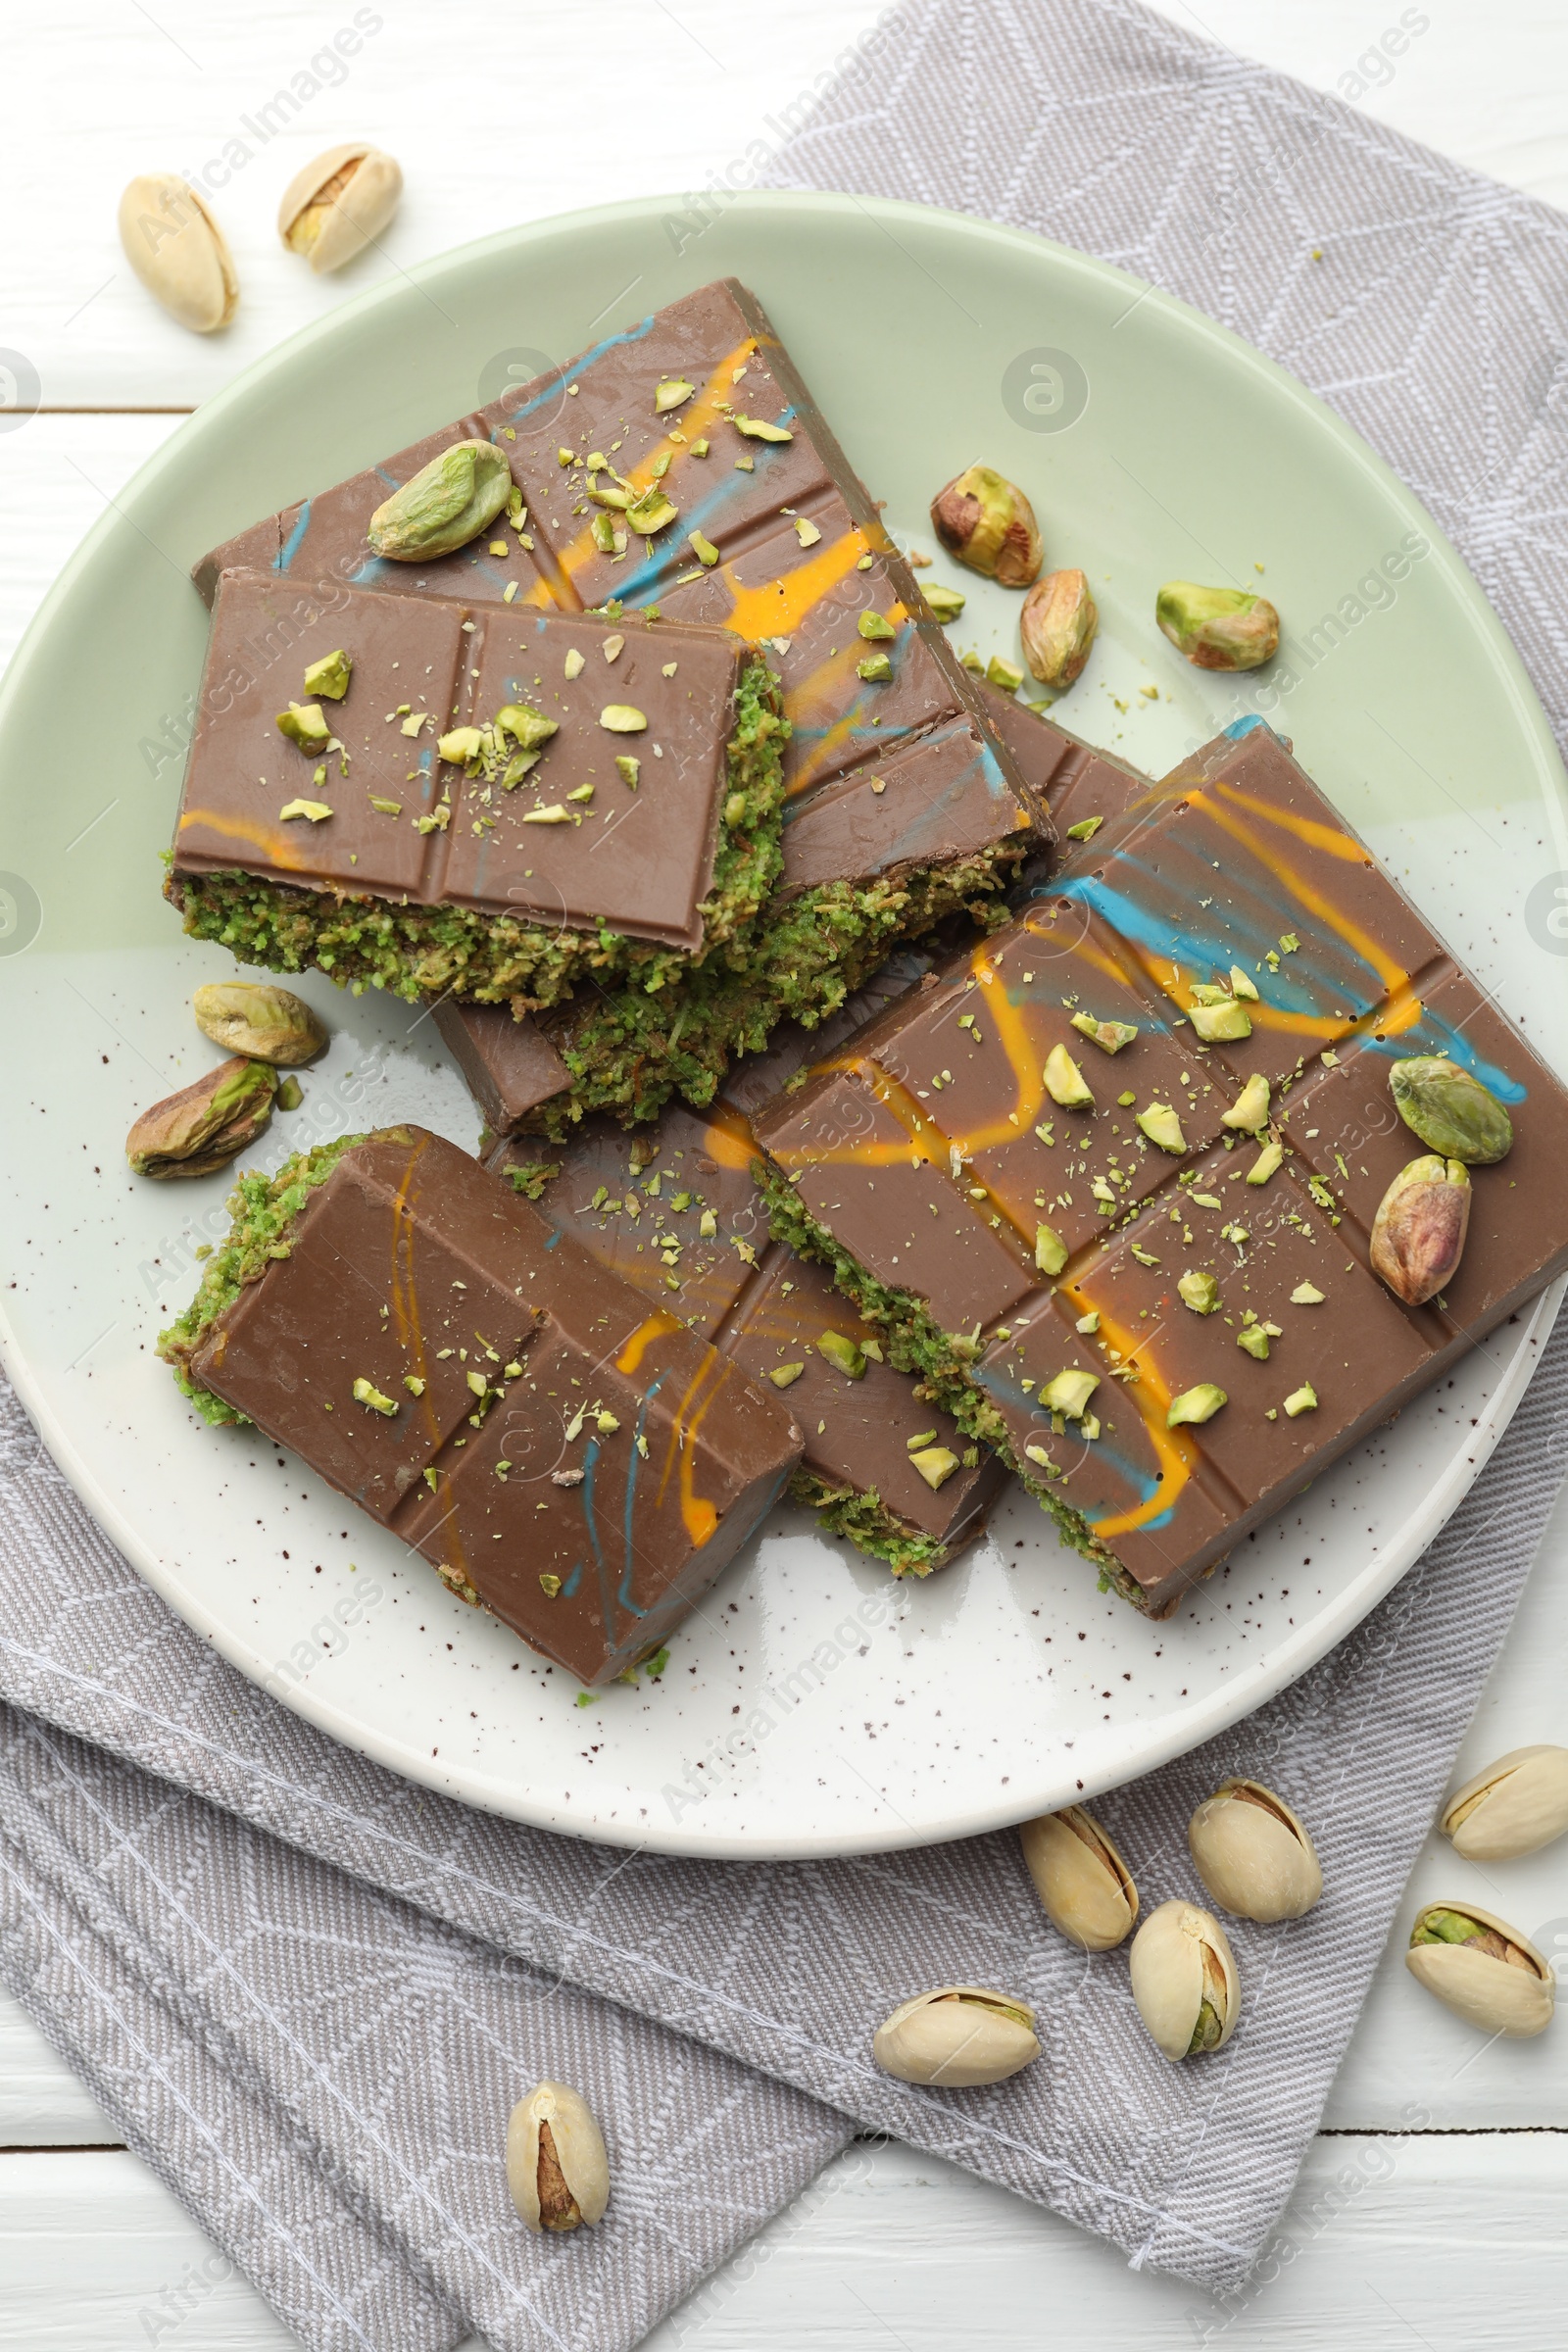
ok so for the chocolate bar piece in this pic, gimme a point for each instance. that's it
(903, 803)
(1081, 789)
(564, 1452)
(674, 1211)
(1110, 1184)
(515, 799)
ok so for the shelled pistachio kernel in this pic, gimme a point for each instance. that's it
(1511, 1807)
(1253, 1854)
(1084, 1885)
(557, 2167)
(260, 1021)
(1184, 1980)
(1451, 1110)
(1482, 1969)
(988, 523)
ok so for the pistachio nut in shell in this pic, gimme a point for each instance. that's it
(1057, 627)
(203, 1126)
(337, 205)
(958, 2035)
(988, 523)
(1418, 1233)
(1451, 1110)
(261, 1022)
(1184, 1980)
(1482, 1969)
(1086, 1887)
(1217, 628)
(557, 2168)
(443, 505)
(1514, 1807)
(179, 251)
(1253, 1854)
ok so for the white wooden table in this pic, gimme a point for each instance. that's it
(1430, 2209)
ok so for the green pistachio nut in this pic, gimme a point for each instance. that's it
(876, 670)
(1450, 1111)
(204, 1126)
(443, 505)
(1057, 627)
(1250, 1110)
(1005, 676)
(1163, 1126)
(1482, 1969)
(1200, 1403)
(260, 1022)
(652, 513)
(1419, 1232)
(1108, 1036)
(1218, 628)
(842, 1353)
(670, 393)
(988, 523)
(329, 675)
(623, 718)
(1221, 1023)
(944, 604)
(1200, 1291)
(1051, 1250)
(1268, 1163)
(1300, 1401)
(1068, 1393)
(1253, 1342)
(1064, 1081)
(935, 1465)
(529, 728)
(367, 1393)
(876, 627)
(302, 723)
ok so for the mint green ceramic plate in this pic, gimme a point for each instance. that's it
(1152, 445)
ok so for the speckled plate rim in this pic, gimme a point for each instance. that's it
(1160, 1738)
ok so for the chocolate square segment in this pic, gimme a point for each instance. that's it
(640, 1206)
(575, 1459)
(792, 554)
(405, 823)
(1044, 1238)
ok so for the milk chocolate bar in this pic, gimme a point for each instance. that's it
(902, 802)
(674, 1211)
(618, 1043)
(512, 801)
(1109, 1183)
(562, 1450)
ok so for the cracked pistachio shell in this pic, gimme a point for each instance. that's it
(988, 523)
(179, 251)
(1184, 1980)
(267, 1024)
(1482, 1985)
(1514, 1807)
(443, 505)
(1253, 1854)
(204, 1125)
(1057, 627)
(1086, 1887)
(1451, 1110)
(958, 2035)
(339, 203)
(557, 2168)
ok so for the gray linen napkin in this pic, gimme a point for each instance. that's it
(175, 1774)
